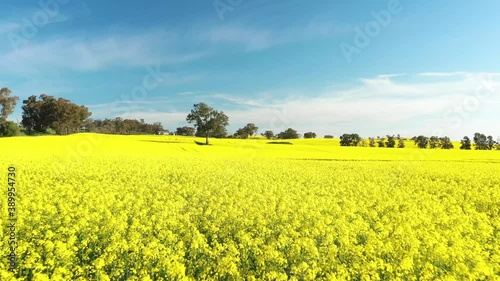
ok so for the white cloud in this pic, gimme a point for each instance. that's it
(115, 48)
(452, 108)
(387, 76)
(77, 53)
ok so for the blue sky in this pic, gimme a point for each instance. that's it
(372, 67)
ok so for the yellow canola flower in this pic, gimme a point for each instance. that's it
(164, 208)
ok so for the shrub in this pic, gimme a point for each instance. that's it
(9, 129)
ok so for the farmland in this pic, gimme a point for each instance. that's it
(99, 207)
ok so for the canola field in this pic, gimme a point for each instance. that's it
(96, 207)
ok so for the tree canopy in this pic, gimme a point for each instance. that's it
(288, 134)
(248, 131)
(7, 104)
(60, 114)
(350, 140)
(208, 121)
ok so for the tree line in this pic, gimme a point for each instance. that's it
(44, 113)
(479, 142)
(122, 126)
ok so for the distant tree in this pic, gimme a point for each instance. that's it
(465, 143)
(208, 122)
(68, 117)
(480, 141)
(241, 134)
(328, 137)
(391, 141)
(401, 142)
(445, 143)
(421, 141)
(310, 135)
(7, 104)
(381, 142)
(363, 143)
(61, 115)
(157, 128)
(433, 142)
(268, 134)
(371, 142)
(185, 131)
(350, 140)
(288, 134)
(490, 143)
(249, 130)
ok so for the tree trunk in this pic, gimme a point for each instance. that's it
(207, 141)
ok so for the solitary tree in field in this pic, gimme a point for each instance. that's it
(207, 120)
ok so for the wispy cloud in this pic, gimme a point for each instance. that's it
(256, 38)
(7, 27)
(373, 108)
(442, 74)
(251, 39)
(82, 54)
(235, 100)
(387, 76)
(114, 48)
